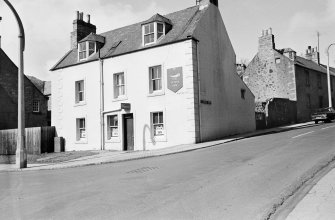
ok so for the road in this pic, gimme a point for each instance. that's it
(239, 180)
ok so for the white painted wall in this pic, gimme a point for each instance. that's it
(178, 107)
(228, 114)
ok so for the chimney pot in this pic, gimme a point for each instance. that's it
(77, 15)
(81, 16)
(88, 18)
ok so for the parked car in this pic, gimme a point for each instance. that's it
(323, 114)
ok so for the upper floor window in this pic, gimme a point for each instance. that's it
(119, 85)
(80, 92)
(153, 32)
(86, 49)
(307, 78)
(155, 78)
(319, 81)
(36, 106)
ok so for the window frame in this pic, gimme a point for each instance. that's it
(151, 80)
(110, 127)
(80, 139)
(155, 32)
(38, 106)
(308, 79)
(87, 50)
(116, 86)
(161, 115)
(78, 92)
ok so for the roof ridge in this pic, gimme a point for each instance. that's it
(137, 23)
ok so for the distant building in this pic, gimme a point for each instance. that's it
(166, 81)
(35, 101)
(45, 88)
(280, 73)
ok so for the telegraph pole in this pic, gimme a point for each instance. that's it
(21, 153)
(328, 78)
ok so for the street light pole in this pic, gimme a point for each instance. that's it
(21, 153)
(328, 78)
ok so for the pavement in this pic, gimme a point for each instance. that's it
(318, 203)
(105, 157)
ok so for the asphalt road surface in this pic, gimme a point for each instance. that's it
(239, 180)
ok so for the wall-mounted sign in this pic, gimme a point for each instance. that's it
(175, 79)
(125, 106)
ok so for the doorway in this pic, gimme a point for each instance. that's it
(128, 132)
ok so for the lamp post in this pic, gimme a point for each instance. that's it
(21, 153)
(328, 78)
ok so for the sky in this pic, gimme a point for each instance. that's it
(48, 24)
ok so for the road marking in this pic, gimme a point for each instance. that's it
(327, 127)
(303, 134)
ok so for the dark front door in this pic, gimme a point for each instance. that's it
(128, 132)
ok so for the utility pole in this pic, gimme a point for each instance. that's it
(21, 153)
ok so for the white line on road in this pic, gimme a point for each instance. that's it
(327, 127)
(303, 134)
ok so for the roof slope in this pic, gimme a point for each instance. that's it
(312, 65)
(129, 39)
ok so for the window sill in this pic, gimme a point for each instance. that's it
(80, 104)
(158, 139)
(120, 98)
(84, 141)
(113, 140)
(157, 93)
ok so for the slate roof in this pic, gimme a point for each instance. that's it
(43, 86)
(129, 39)
(158, 17)
(312, 65)
(94, 37)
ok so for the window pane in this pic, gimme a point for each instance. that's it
(160, 28)
(161, 117)
(146, 29)
(91, 45)
(81, 123)
(159, 35)
(155, 118)
(152, 28)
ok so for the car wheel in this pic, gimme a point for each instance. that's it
(316, 121)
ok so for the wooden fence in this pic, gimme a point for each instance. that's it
(38, 140)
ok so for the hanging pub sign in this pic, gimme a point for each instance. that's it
(175, 79)
(125, 106)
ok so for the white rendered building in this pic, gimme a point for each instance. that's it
(167, 81)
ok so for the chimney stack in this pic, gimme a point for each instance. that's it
(313, 54)
(266, 41)
(81, 29)
(206, 2)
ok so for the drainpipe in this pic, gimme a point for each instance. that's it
(102, 104)
(198, 76)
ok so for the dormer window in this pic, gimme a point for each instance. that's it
(86, 49)
(153, 32)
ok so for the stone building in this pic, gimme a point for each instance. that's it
(166, 81)
(35, 101)
(281, 73)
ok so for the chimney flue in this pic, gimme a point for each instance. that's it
(81, 16)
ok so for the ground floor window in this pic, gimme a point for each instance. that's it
(81, 129)
(157, 120)
(113, 126)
